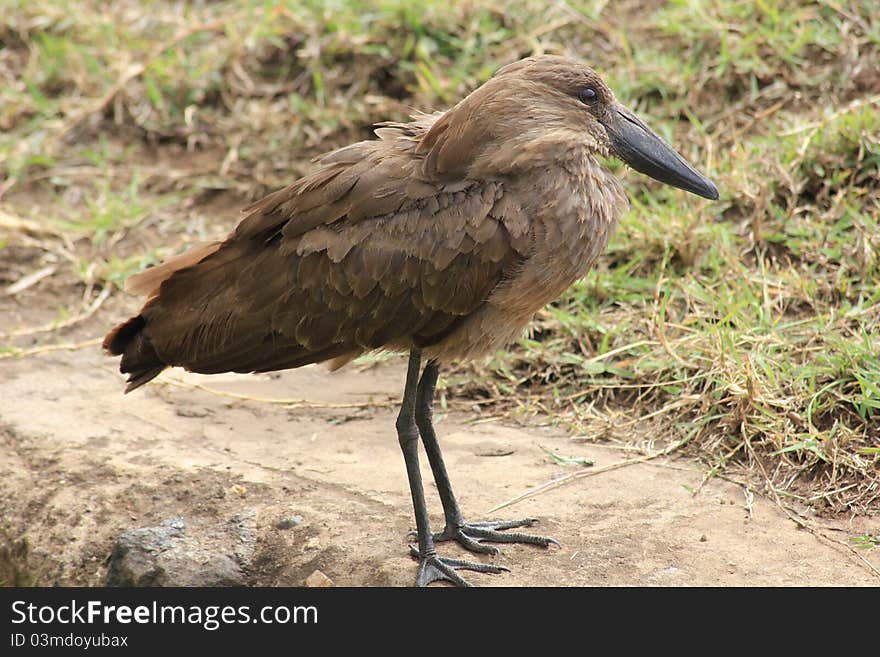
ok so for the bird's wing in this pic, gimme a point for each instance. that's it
(358, 256)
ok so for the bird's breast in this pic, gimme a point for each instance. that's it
(573, 216)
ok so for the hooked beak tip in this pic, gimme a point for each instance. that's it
(711, 191)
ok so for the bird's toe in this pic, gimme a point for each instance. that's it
(434, 568)
(473, 535)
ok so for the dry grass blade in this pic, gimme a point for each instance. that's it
(857, 104)
(67, 323)
(580, 474)
(286, 402)
(29, 280)
(14, 225)
(44, 349)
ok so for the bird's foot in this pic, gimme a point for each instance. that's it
(434, 569)
(471, 535)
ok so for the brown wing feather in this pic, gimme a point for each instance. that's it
(355, 257)
(148, 281)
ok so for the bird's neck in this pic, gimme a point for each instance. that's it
(576, 187)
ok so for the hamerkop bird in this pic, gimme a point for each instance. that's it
(441, 238)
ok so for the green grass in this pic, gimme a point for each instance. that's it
(745, 326)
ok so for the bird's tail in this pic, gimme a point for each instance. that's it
(139, 359)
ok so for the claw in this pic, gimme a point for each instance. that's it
(434, 569)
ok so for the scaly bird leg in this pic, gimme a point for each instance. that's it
(431, 567)
(469, 534)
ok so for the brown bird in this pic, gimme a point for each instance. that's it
(441, 238)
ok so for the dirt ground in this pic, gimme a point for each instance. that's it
(80, 463)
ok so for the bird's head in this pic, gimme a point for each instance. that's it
(533, 109)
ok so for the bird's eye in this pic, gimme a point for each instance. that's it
(587, 95)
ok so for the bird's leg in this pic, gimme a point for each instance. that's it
(431, 567)
(469, 534)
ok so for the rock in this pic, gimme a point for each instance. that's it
(186, 411)
(239, 490)
(492, 448)
(318, 580)
(289, 522)
(181, 553)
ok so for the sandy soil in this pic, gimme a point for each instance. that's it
(80, 463)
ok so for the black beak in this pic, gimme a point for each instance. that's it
(641, 148)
